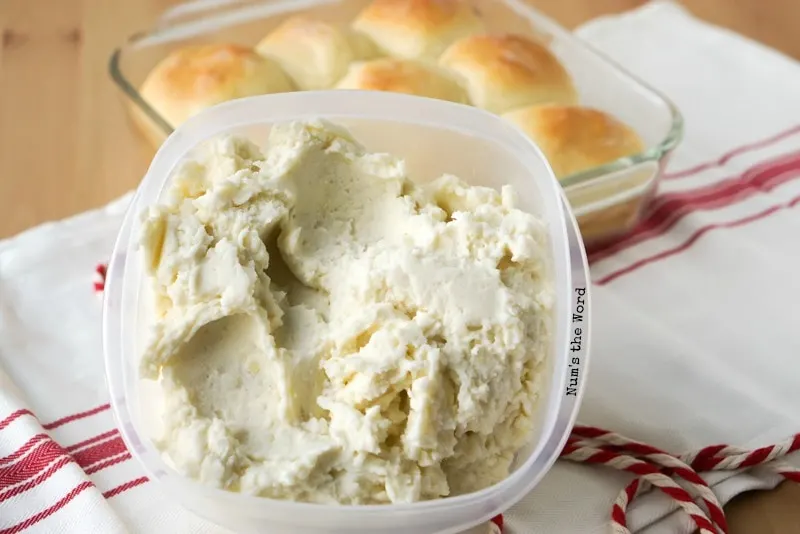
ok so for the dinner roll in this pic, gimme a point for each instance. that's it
(575, 138)
(313, 53)
(417, 29)
(403, 76)
(197, 77)
(503, 72)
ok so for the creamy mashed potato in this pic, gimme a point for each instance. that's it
(326, 330)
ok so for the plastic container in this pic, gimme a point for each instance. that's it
(434, 137)
(607, 200)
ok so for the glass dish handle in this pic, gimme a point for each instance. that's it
(200, 17)
(191, 9)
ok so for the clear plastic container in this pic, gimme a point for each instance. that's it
(433, 137)
(607, 200)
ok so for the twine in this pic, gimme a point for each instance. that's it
(595, 445)
(100, 277)
(654, 467)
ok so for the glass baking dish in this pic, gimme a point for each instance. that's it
(607, 200)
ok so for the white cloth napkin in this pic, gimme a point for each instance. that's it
(695, 348)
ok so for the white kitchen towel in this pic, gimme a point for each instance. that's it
(694, 313)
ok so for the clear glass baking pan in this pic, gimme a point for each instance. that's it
(607, 200)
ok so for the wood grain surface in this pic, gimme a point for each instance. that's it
(66, 145)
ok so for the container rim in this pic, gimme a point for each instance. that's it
(365, 105)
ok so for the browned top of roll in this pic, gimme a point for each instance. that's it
(195, 77)
(507, 71)
(576, 138)
(314, 53)
(403, 76)
(417, 29)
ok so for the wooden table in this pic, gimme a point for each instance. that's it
(65, 143)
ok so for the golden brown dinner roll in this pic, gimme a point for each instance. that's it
(315, 54)
(417, 29)
(196, 77)
(403, 76)
(503, 72)
(575, 138)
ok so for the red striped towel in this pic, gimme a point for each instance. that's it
(694, 312)
(63, 465)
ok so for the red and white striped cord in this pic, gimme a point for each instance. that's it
(654, 468)
(100, 277)
(651, 471)
(595, 445)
